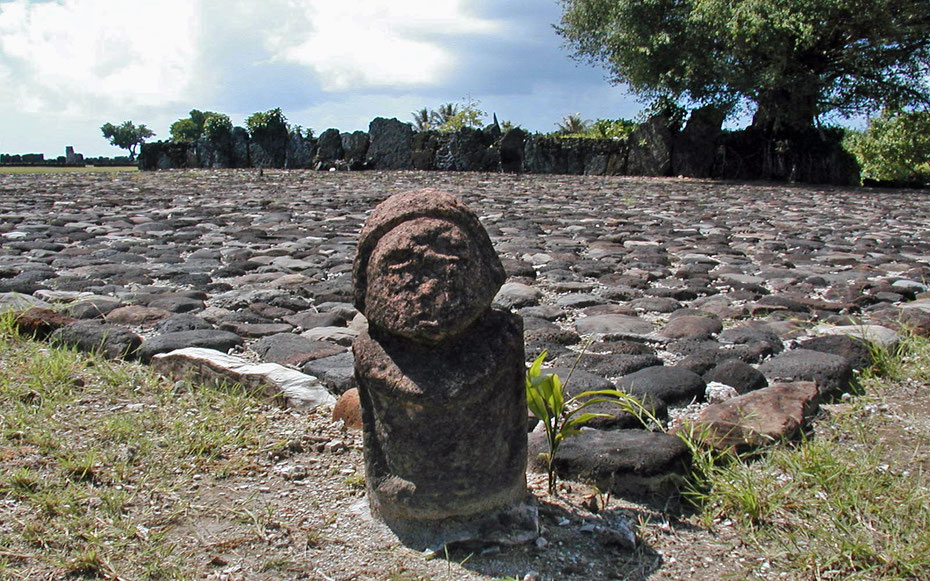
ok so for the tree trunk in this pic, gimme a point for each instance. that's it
(783, 122)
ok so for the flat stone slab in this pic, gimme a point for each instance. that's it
(21, 302)
(672, 385)
(514, 295)
(854, 350)
(208, 365)
(93, 336)
(737, 374)
(204, 338)
(691, 327)
(883, 336)
(291, 349)
(831, 373)
(615, 326)
(633, 463)
(759, 418)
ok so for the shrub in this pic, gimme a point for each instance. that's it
(895, 146)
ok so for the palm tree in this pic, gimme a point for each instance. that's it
(442, 115)
(573, 123)
(421, 120)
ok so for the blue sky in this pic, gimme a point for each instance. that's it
(68, 66)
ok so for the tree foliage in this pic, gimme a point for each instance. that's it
(217, 126)
(573, 124)
(268, 125)
(894, 147)
(193, 127)
(449, 117)
(126, 136)
(794, 59)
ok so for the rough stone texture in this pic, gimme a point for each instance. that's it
(136, 315)
(328, 148)
(853, 350)
(112, 341)
(615, 326)
(208, 365)
(652, 151)
(843, 256)
(759, 418)
(514, 295)
(291, 349)
(696, 146)
(40, 323)
(737, 374)
(348, 409)
(881, 336)
(691, 327)
(390, 144)
(17, 302)
(631, 463)
(435, 357)
(831, 373)
(468, 149)
(511, 151)
(425, 267)
(422, 442)
(204, 338)
(672, 385)
(336, 372)
(355, 149)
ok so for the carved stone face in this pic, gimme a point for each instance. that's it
(425, 281)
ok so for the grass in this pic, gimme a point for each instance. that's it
(41, 169)
(93, 455)
(850, 502)
(100, 461)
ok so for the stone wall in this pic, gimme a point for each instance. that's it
(701, 149)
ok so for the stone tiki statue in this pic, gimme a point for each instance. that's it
(440, 374)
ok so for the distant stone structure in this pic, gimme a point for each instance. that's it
(72, 158)
(702, 149)
(440, 377)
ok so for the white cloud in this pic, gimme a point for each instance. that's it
(371, 43)
(78, 56)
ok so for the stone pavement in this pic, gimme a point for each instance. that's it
(686, 289)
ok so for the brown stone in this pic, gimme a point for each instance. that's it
(425, 267)
(40, 323)
(440, 377)
(758, 418)
(136, 316)
(348, 409)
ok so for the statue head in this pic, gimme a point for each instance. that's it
(425, 268)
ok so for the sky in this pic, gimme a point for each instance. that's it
(69, 66)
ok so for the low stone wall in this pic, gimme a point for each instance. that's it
(701, 150)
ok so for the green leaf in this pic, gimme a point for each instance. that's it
(536, 367)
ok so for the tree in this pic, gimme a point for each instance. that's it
(217, 126)
(422, 120)
(267, 125)
(454, 117)
(442, 115)
(573, 124)
(793, 59)
(449, 117)
(894, 147)
(126, 136)
(193, 127)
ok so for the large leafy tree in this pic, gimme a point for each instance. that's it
(195, 125)
(126, 135)
(793, 59)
